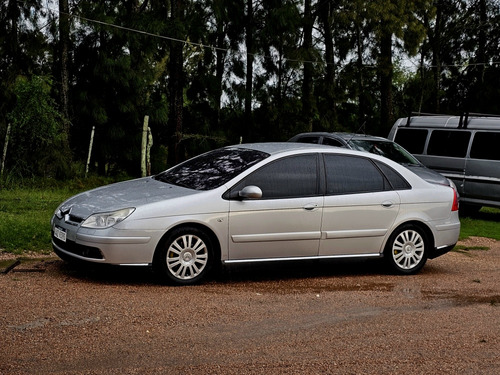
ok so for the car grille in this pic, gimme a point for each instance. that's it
(74, 219)
(77, 249)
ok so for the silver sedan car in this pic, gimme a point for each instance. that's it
(261, 202)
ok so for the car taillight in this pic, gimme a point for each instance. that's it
(454, 206)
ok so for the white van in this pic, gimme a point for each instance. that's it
(466, 149)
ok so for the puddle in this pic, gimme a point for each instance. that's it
(464, 300)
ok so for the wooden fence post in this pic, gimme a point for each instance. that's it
(90, 150)
(4, 155)
(144, 145)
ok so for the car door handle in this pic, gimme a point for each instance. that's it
(310, 206)
(387, 204)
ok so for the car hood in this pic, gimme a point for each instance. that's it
(428, 175)
(121, 195)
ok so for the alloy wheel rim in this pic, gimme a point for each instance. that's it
(408, 249)
(187, 257)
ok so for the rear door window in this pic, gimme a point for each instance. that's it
(449, 143)
(352, 174)
(486, 145)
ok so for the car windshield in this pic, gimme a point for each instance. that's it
(390, 150)
(213, 169)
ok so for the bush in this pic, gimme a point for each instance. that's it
(38, 145)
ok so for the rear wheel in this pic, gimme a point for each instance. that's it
(407, 249)
(469, 209)
(185, 257)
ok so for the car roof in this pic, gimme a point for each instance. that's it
(343, 135)
(451, 122)
(273, 148)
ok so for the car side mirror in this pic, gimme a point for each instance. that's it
(250, 192)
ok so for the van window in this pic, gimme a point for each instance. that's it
(486, 146)
(332, 142)
(309, 139)
(413, 140)
(449, 143)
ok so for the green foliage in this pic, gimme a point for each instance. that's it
(121, 69)
(37, 137)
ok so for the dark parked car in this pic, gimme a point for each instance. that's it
(375, 145)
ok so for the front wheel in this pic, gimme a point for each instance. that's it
(185, 257)
(407, 249)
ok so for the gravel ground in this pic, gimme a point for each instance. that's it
(286, 318)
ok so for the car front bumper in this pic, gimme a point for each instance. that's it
(109, 246)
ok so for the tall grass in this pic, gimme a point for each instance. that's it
(26, 208)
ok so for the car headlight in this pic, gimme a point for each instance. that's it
(107, 219)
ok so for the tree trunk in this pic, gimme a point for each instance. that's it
(482, 40)
(13, 14)
(219, 69)
(176, 98)
(64, 48)
(386, 74)
(325, 16)
(307, 83)
(436, 57)
(362, 110)
(249, 74)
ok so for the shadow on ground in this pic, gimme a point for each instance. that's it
(241, 273)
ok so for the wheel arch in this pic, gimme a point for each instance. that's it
(204, 228)
(429, 235)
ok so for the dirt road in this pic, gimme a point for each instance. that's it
(313, 318)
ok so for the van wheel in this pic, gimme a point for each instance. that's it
(407, 249)
(469, 209)
(185, 257)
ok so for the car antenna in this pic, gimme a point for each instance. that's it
(362, 126)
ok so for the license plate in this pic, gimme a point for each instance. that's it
(60, 233)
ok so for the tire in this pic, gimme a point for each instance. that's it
(469, 209)
(185, 257)
(407, 249)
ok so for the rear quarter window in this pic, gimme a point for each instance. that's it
(486, 145)
(395, 179)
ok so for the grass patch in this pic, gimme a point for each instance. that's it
(26, 214)
(485, 223)
(26, 210)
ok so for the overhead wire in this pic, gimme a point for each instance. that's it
(215, 48)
